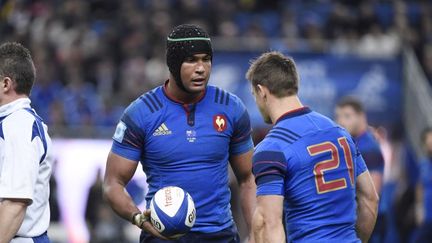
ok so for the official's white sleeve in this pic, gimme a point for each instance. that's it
(19, 170)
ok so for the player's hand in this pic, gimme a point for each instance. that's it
(148, 227)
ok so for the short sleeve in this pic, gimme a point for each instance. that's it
(21, 157)
(241, 140)
(269, 168)
(128, 138)
(360, 165)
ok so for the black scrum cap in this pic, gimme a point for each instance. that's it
(184, 41)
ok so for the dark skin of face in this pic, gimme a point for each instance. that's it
(195, 73)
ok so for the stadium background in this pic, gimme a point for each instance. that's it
(94, 57)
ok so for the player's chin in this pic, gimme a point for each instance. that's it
(196, 87)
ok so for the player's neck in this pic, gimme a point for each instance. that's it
(9, 99)
(280, 106)
(180, 95)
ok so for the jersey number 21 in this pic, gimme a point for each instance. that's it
(321, 167)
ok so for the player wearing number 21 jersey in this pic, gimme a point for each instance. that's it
(307, 167)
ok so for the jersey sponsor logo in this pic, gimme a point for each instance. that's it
(119, 132)
(220, 123)
(162, 130)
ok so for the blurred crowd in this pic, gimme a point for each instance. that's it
(95, 56)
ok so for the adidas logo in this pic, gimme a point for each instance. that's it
(162, 130)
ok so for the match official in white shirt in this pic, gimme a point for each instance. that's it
(25, 159)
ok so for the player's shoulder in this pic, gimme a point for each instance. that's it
(367, 141)
(281, 136)
(147, 104)
(322, 120)
(271, 146)
(272, 142)
(20, 123)
(299, 123)
(321, 125)
(371, 138)
(222, 97)
(21, 117)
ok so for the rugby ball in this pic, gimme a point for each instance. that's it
(172, 212)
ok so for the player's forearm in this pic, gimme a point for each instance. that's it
(248, 200)
(267, 231)
(270, 235)
(11, 217)
(367, 211)
(120, 200)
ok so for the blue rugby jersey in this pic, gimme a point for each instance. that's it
(187, 145)
(371, 152)
(314, 164)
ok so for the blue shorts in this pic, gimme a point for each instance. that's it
(43, 238)
(229, 235)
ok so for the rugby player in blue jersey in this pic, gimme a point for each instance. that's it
(308, 170)
(184, 133)
(350, 114)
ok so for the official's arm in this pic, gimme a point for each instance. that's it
(12, 212)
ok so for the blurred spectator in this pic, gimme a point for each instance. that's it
(367, 18)
(378, 44)
(340, 21)
(103, 222)
(424, 191)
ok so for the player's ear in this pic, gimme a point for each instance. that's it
(6, 84)
(261, 91)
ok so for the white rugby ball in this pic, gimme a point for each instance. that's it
(173, 212)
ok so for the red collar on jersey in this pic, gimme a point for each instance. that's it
(293, 113)
(174, 99)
